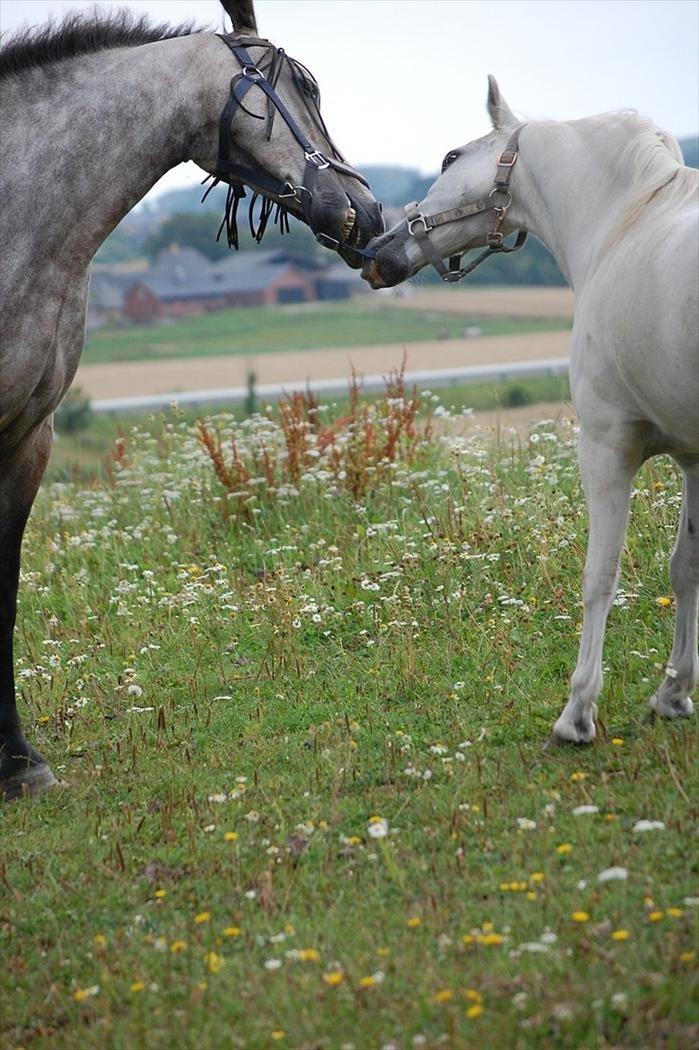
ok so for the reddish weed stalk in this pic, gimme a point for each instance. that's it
(357, 449)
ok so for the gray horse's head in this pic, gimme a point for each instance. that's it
(467, 176)
(261, 137)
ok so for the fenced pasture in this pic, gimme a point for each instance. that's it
(296, 676)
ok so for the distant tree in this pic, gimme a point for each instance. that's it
(198, 230)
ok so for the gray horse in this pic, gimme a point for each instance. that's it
(95, 111)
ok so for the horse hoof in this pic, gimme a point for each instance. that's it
(33, 780)
(677, 707)
(556, 741)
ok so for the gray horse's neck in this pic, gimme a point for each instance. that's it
(89, 148)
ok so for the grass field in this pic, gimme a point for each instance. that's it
(274, 329)
(298, 687)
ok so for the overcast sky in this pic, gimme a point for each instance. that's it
(403, 81)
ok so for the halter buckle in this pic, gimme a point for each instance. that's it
(290, 191)
(414, 221)
(494, 240)
(452, 276)
(508, 158)
(316, 158)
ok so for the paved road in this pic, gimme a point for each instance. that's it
(127, 379)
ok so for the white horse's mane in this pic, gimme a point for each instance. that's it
(650, 160)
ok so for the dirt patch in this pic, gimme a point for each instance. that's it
(127, 379)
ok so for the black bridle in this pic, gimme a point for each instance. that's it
(498, 201)
(282, 194)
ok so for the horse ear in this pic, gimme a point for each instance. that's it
(500, 113)
(241, 14)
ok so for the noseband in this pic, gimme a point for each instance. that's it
(273, 191)
(419, 224)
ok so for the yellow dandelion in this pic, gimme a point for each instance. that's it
(687, 957)
(202, 917)
(655, 915)
(620, 935)
(610, 816)
(278, 1033)
(413, 921)
(489, 939)
(215, 962)
(532, 895)
(565, 847)
(467, 938)
(578, 776)
(537, 876)
(137, 986)
(309, 955)
(487, 927)
(80, 994)
(231, 931)
(383, 952)
(334, 978)
(472, 995)
(159, 894)
(580, 916)
(663, 601)
(474, 1011)
(367, 982)
(231, 836)
(177, 946)
(353, 840)
(675, 913)
(617, 741)
(100, 940)
(445, 995)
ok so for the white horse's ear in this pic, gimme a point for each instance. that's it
(500, 113)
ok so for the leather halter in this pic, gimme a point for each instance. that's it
(419, 224)
(273, 190)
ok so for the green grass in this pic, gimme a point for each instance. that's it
(287, 666)
(258, 330)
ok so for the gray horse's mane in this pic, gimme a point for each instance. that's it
(77, 34)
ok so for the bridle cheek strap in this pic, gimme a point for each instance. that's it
(419, 224)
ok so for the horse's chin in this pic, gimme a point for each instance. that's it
(388, 269)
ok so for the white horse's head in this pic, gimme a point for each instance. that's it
(468, 174)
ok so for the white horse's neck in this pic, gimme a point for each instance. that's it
(570, 190)
(113, 123)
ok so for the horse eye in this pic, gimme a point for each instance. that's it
(449, 159)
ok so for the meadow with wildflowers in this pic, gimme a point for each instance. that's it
(296, 673)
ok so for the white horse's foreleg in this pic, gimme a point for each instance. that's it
(672, 698)
(607, 474)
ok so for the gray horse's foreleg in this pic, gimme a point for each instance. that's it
(22, 769)
(607, 475)
(672, 698)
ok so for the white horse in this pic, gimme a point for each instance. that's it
(610, 198)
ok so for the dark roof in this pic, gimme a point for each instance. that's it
(210, 285)
(81, 34)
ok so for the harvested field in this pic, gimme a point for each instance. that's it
(494, 302)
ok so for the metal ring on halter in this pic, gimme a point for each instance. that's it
(416, 219)
(252, 73)
(291, 192)
(317, 159)
(497, 189)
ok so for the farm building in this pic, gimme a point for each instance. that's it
(183, 282)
